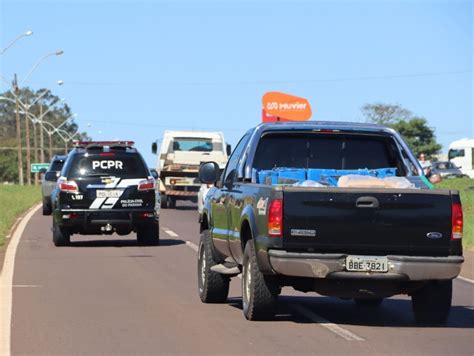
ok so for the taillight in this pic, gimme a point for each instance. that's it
(275, 218)
(67, 186)
(457, 221)
(147, 184)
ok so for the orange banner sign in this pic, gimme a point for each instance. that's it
(285, 106)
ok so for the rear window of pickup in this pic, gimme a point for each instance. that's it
(330, 151)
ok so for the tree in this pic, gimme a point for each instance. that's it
(418, 136)
(385, 114)
(56, 116)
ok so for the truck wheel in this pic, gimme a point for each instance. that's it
(172, 203)
(259, 292)
(149, 235)
(432, 303)
(213, 286)
(368, 302)
(61, 237)
(164, 202)
(47, 210)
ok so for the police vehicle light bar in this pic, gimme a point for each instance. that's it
(103, 143)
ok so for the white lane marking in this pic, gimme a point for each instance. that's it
(336, 329)
(6, 282)
(466, 279)
(26, 286)
(170, 232)
(191, 245)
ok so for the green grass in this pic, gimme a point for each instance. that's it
(467, 200)
(15, 200)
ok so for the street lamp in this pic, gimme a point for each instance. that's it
(25, 34)
(56, 53)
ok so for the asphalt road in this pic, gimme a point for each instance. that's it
(106, 295)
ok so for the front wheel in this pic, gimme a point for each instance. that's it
(432, 303)
(213, 286)
(259, 292)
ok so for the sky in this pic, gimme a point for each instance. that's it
(132, 69)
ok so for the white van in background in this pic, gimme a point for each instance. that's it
(461, 153)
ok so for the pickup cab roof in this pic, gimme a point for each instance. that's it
(245, 164)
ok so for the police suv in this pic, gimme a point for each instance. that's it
(105, 187)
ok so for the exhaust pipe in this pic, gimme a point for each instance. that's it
(106, 228)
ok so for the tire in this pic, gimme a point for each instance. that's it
(164, 202)
(368, 302)
(47, 209)
(61, 237)
(259, 292)
(149, 235)
(213, 287)
(172, 203)
(432, 303)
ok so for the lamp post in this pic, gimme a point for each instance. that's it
(25, 34)
(38, 62)
(28, 153)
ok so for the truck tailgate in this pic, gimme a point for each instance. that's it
(367, 221)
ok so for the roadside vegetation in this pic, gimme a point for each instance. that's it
(15, 200)
(467, 200)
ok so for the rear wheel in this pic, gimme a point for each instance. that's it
(259, 292)
(47, 209)
(164, 202)
(432, 303)
(368, 302)
(149, 235)
(213, 286)
(171, 202)
(61, 236)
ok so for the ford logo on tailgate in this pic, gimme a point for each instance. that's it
(434, 235)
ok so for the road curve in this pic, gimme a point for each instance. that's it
(106, 295)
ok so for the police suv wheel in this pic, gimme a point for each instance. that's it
(149, 235)
(61, 237)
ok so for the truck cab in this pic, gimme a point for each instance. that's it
(179, 158)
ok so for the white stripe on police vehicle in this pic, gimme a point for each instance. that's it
(107, 164)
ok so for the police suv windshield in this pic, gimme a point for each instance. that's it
(129, 165)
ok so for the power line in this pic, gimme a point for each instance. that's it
(282, 82)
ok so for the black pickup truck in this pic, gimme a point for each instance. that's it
(360, 243)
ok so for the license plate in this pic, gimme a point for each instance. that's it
(366, 264)
(109, 193)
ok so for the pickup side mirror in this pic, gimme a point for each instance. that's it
(154, 173)
(209, 172)
(154, 148)
(51, 176)
(228, 149)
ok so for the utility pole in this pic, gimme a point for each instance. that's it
(41, 135)
(28, 150)
(35, 147)
(18, 130)
(50, 145)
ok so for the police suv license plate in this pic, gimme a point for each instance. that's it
(109, 193)
(366, 264)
